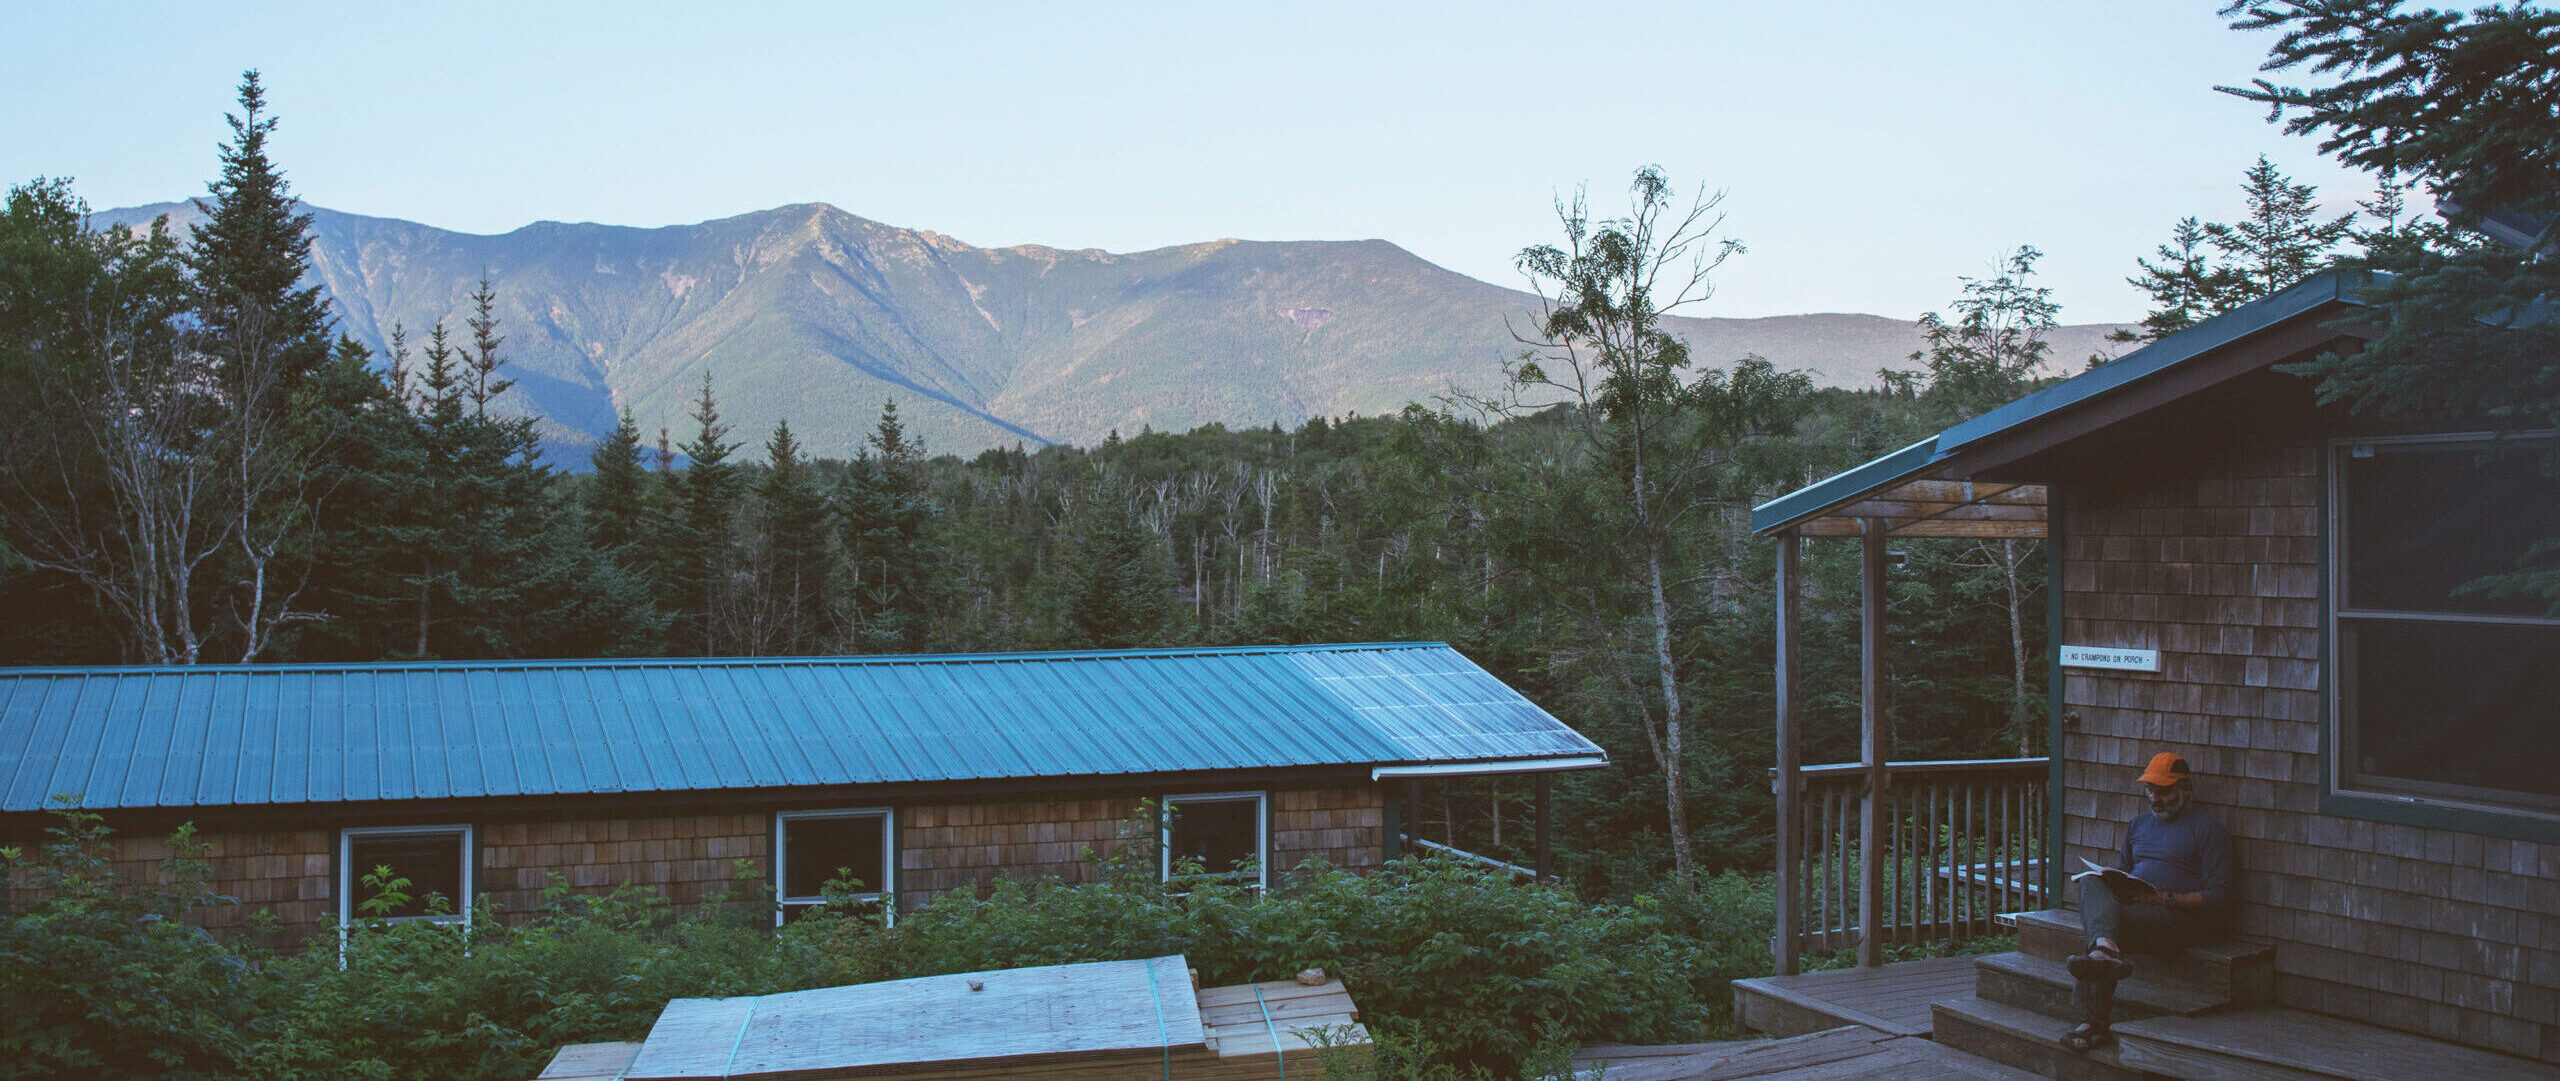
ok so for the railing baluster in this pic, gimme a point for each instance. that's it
(1957, 844)
(1972, 829)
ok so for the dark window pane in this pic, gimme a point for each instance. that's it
(2422, 519)
(1218, 834)
(2453, 706)
(814, 849)
(432, 862)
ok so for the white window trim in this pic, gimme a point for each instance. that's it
(349, 876)
(886, 887)
(1261, 831)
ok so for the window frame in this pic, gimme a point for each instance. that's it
(886, 890)
(1261, 799)
(2407, 802)
(348, 875)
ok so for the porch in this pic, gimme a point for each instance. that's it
(2202, 1013)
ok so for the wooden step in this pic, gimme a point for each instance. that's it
(1894, 998)
(2294, 1045)
(2242, 971)
(2044, 986)
(2026, 1040)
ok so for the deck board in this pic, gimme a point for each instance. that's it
(1889, 998)
(1850, 1051)
(2281, 1043)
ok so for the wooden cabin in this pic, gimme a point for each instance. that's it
(920, 774)
(2275, 589)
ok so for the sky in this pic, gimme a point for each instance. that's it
(1869, 154)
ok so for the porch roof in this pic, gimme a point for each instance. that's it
(1932, 488)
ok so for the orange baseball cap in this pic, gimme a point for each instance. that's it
(2166, 769)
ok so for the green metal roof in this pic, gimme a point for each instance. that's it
(303, 734)
(1924, 458)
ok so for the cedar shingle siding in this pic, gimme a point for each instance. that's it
(2218, 567)
(693, 856)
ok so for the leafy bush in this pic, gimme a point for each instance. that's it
(420, 999)
(1487, 966)
(100, 975)
(1459, 970)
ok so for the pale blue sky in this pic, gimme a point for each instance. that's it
(1872, 152)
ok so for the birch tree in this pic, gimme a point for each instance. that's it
(1661, 437)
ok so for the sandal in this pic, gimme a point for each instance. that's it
(2086, 1038)
(2100, 963)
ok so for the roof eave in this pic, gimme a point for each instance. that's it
(2248, 320)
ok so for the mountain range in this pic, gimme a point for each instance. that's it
(813, 314)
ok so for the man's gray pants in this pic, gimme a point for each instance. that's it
(2148, 928)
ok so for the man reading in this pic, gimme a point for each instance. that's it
(2182, 860)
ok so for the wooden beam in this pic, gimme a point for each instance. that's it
(1871, 725)
(1922, 527)
(1790, 789)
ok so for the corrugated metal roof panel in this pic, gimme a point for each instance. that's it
(295, 734)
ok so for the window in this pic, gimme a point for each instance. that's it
(813, 847)
(2445, 690)
(436, 861)
(1225, 834)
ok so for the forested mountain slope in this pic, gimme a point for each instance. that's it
(812, 314)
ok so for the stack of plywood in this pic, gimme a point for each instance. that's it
(1108, 1020)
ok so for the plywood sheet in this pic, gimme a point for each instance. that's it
(1018, 1017)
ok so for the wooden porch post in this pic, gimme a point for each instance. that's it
(1871, 922)
(1545, 799)
(1790, 755)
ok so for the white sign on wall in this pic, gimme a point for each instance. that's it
(2115, 657)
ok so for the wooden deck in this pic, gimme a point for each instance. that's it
(1892, 999)
(1849, 1051)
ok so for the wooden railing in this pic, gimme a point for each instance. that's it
(1961, 842)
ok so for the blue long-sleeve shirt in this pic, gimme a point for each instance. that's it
(2188, 855)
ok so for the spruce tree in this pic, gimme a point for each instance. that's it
(2462, 102)
(793, 517)
(698, 546)
(615, 499)
(248, 259)
(896, 561)
(1114, 592)
(2280, 240)
(2185, 285)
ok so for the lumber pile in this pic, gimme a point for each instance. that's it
(1106, 1020)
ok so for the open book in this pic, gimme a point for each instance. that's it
(2123, 885)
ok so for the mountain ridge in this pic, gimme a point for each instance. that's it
(812, 313)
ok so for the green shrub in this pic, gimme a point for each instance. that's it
(419, 999)
(1460, 970)
(101, 976)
